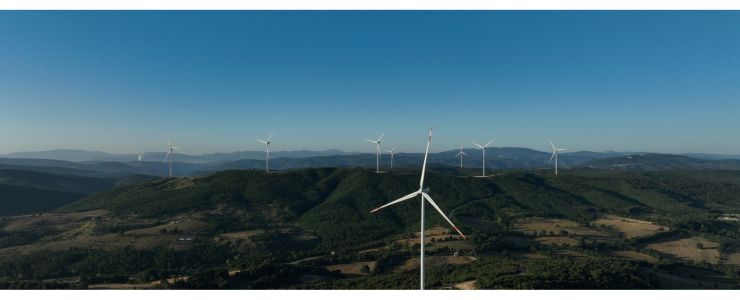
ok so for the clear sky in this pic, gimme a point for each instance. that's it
(215, 81)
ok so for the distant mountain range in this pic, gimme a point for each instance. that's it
(659, 162)
(101, 164)
(85, 155)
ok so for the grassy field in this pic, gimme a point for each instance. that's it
(434, 261)
(353, 268)
(436, 235)
(557, 240)
(242, 235)
(630, 228)
(687, 249)
(466, 285)
(60, 220)
(535, 225)
(632, 255)
(732, 259)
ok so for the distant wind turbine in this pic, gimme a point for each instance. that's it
(555, 151)
(424, 196)
(392, 152)
(170, 152)
(377, 152)
(484, 155)
(461, 154)
(140, 157)
(267, 152)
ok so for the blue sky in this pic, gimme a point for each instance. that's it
(215, 81)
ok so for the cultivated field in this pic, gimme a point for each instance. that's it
(630, 227)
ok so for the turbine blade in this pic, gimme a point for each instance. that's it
(372, 141)
(424, 166)
(381, 136)
(269, 138)
(489, 143)
(166, 156)
(261, 141)
(168, 143)
(562, 149)
(459, 154)
(426, 196)
(552, 145)
(553, 155)
(479, 146)
(409, 196)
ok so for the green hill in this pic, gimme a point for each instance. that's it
(274, 228)
(335, 204)
(25, 191)
(17, 200)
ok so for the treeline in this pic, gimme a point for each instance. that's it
(96, 265)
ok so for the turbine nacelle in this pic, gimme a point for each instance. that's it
(423, 191)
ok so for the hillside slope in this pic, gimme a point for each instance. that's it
(335, 204)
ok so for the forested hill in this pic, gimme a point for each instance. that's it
(23, 191)
(335, 204)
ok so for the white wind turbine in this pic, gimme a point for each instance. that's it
(140, 157)
(424, 196)
(392, 152)
(461, 154)
(377, 152)
(170, 151)
(484, 155)
(267, 151)
(555, 151)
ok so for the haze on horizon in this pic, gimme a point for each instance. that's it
(124, 81)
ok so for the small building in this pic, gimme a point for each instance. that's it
(184, 239)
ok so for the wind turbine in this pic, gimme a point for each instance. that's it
(377, 152)
(170, 151)
(392, 152)
(461, 154)
(555, 151)
(267, 152)
(484, 155)
(424, 196)
(140, 157)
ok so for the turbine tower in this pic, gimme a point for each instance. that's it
(424, 196)
(555, 151)
(170, 151)
(267, 152)
(377, 152)
(392, 152)
(461, 154)
(484, 155)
